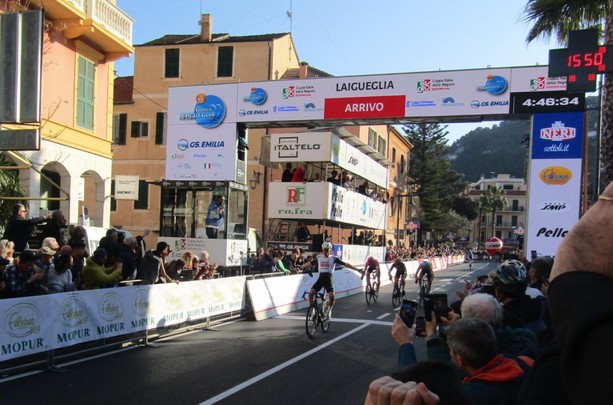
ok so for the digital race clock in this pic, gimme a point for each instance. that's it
(546, 101)
(582, 61)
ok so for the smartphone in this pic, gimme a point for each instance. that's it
(436, 303)
(407, 312)
(420, 326)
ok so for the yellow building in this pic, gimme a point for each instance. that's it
(72, 169)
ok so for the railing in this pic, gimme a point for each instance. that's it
(111, 16)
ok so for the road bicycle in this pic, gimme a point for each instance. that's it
(372, 288)
(318, 314)
(423, 290)
(398, 292)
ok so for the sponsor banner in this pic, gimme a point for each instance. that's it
(364, 107)
(37, 324)
(288, 100)
(554, 203)
(467, 92)
(225, 252)
(206, 106)
(193, 153)
(535, 78)
(557, 135)
(297, 200)
(300, 147)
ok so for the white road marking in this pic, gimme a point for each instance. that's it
(281, 366)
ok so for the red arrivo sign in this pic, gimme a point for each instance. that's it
(364, 107)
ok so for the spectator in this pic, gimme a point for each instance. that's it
(278, 260)
(22, 278)
(78, 233)
(19, 229)
(51, 243)
(334, 179)
(79, 254)
(45, 259)
(190, 267)
(316, 178)
(263, 262)
(214, 217)
(287, 173)
(7, 249)
(363, 188)
(174, 268)
(110, 244)
(492, 378)
(299, 175)
(96, 275)
(141, 245)
(302, 233)
(520, 310)
(53, 228)
(294, 261)
(540, 268)
(152, 267)
(207, 270)
(59, 277)
(128, 255)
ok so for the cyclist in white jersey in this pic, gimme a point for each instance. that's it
(327, 264)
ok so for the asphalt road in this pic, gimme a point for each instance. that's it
(266, 362)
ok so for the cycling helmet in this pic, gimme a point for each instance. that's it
(326, 245)
(510, 278)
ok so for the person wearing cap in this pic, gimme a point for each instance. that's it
(21, 278)
(95, 275)
(45, 258)
(19, 229)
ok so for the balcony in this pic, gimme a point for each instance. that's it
(99, 22)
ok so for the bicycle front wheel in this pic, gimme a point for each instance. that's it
(325, 322)
(311, 321)
(396, 297)
(368, 294)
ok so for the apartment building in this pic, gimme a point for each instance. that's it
(81, 40)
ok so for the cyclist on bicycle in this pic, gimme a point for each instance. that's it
(371, 265)
(425, 269)
(326, 264)
(401, 271)
(469, 258)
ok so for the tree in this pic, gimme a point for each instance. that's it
(430, 168)
(556, 18)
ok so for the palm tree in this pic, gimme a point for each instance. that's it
(497, 201)
(556, 18)
(484, 206)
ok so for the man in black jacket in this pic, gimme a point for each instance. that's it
(19, 229)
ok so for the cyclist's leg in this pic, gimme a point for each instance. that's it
(316, 287)
(329, 289)
(378, 279)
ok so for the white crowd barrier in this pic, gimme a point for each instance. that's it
(37, 324)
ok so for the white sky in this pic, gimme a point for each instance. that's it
(359, 37)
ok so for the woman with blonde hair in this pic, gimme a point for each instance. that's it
(7, 249)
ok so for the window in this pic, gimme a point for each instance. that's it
(393, 155)
(372, 138)
(513, 220)
(225, 60)
(515, 205)
(86, 86)
(140, 129)
(507, 186)
(382, 147)
(171, 63)
(160, 128)
(143, 196)
(120, 128)
(401, 170)
(113, 200)
(498, 220)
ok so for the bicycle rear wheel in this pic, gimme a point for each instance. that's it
(396, 297)
(311, 321)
